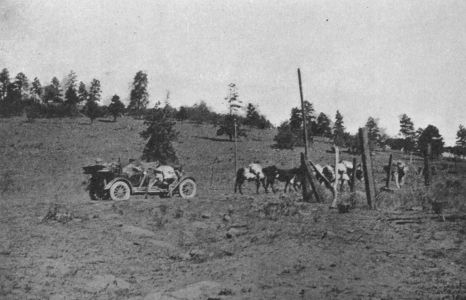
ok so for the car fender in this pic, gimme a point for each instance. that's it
(110, 183)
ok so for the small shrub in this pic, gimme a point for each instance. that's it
(58, 213)
(159, 220)
(34, 111)
(163, 209)
(285, 139)
(274, 209)
(178, 213)
(227, 127)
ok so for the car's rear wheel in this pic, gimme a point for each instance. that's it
(119, 191)
(187, 188)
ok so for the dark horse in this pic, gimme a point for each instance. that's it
(289, 176)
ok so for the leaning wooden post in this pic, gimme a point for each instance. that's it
(353, 175)
(367, 167)
(389, 172)
(328, 184)
(306, 189)
(427, 171)
(335, 183)
(308, 174)
(305, 180)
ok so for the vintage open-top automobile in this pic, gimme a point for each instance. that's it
(109, 181)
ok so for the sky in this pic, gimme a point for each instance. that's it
(363, 58)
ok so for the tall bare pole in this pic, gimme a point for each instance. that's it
(305, 180)
(233, 104)
(236, 149)
(303, 114)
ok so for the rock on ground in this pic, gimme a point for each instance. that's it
(106, 282)
(196, 291)
(138, 231)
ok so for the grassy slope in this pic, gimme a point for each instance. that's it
(280, 254)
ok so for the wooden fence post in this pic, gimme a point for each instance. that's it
(367, 167)
(389, 172)
(427, 171)
(353, 175)
(335, 184)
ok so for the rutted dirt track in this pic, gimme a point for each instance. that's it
(215, 246)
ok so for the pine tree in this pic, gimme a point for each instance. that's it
(116, 107)
(91, 108)
(252, 116)
(22, 83)
(338, 130)
(461, 137)
(406, 126)
(57, 91)
(255, 119)
(323, 125)
(296, 120)
(12, 104)
(71, 101)
(70, 80)
(82, 93)
(139, 97)
(227, 127)
(95, 90)
(182, 114)
(407, 130)
(4, 83)
(36, 90)
(285, 138)
(227, 123)
(160, 134)
(373, 132)
(309, 114)
(431, 135)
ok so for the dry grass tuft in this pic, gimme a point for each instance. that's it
(7, 182)
(59, 213)
(273, 209)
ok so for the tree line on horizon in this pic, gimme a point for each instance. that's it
(290, 134)
(57, 99)
(70, 99)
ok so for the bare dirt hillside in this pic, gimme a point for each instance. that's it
(218, 245)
